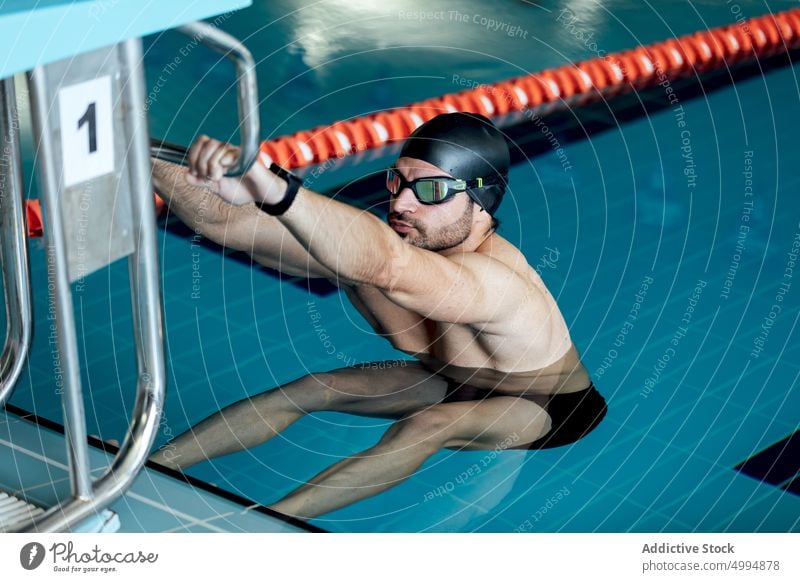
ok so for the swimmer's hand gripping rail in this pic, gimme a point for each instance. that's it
(247, 94)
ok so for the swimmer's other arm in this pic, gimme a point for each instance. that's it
(357, 248)
(468, 288)
(244, 228)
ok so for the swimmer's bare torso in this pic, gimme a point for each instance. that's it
(530, 353)
(510, 335)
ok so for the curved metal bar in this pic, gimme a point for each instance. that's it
(63, 314)
(169, 152)
(13, 250)
(247, 96)
(91, 497)
(146, 306)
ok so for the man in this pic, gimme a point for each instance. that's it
(494, 359)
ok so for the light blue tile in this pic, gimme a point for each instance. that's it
(777, 512)
(557, 508)
(702, 422)
(670, 477)
(658, 522)
(139, 516)
(629, 465)
(711, 505)
(251, 521)
(760, 381)
(194, 528)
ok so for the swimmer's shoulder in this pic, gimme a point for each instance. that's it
(514, 259)
(498, 248)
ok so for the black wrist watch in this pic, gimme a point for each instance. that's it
(293, 185)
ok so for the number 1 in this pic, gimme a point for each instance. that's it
(90, 118)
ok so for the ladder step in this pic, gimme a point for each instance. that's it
(14, 511)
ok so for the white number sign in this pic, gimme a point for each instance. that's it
(87, 135)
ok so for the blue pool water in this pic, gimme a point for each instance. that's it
(695, 384)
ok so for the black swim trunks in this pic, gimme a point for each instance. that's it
(573, 414)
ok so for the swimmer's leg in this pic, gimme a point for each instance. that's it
(389, 389)
(476, 425)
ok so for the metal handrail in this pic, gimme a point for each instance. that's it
(247, 97)
(13, 250)
(89, 499)
(62, 313)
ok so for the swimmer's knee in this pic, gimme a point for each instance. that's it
(318, 391)
(429, 426)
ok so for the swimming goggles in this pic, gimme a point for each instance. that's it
(429, 190)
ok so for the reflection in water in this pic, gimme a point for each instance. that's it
(429, 412)
(323, 32)
(465, 501)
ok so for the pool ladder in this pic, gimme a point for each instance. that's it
(121, 209)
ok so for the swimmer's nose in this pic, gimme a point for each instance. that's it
(405, 201)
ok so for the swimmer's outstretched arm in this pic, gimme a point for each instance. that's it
(359, 248)
(243, 228)
(469, 288)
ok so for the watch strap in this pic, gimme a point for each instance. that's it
(293, 185)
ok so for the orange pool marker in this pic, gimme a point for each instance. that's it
(33, 217)
(637, 68)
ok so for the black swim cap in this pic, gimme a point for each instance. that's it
(466, 146)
